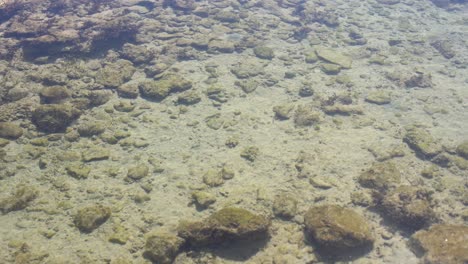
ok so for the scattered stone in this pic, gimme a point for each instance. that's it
(250, 153)
(462, 149)
(78, 171)
(54, 94)
(124, 106)
(115, 74)
(333, 56)
(229, 224)
(441, 243)
(445, 48)
(137, 172)
(379, 97)
(189, 98)
(228, 172)
(91, 217)
(91, 128)
(219, 45)
(418, 79)
(213, 178)
(380, 176)
(421, 141)
(337, 228)
(306, 90)
(311, 57)
(203, 199)
(55, 117)
(330, 68)
(215, 121)
(248, 86)
(217, 93)
(388, 2)
(22, 197)
(264, 52)
(95, 154)
(128, 90)
(10, 130)
(306, 116)
(285, 206)
(162, 247)
(343, 109)
(409, 206)
(160, 89)
(247, 68)
(283, 112)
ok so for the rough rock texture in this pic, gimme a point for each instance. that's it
(19, 200)
(91, 217)
(162, 247)
(409, 206)
(226, 225)
(380, 176)
(338, 228)
(422, 142)
(10, 130)
(442, 243)
(54, 118)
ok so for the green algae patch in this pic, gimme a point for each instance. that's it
(226, 225)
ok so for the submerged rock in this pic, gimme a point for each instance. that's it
(462, 149)
(19, 200)
(336, 228)
(306, 116)
(421, 141)
(55, 117)
(10, 130)
(264, 52)
(115, 74)
(442, 243)
(91, 217)
(379, 97)
(285, 206)
(162, 247)
(160, 89)
(333, 56)
(380, 176)
(226, 225)
(409, 206)
(54, 94)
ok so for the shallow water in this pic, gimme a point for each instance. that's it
(228, 131)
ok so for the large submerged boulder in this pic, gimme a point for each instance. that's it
(337, 228)
(226, 225)
(442, 243)
(55, 117)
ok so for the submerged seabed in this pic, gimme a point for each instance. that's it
(229, 131)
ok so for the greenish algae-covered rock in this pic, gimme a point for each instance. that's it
(22, 197)
(213, 178)
(55, 117)
(333, 56)
(91, 217)
(95, 154)
(91, 128)
(264, 52)
(421, 141)
(306, 116)
(379, 97)
(409, 206)
(160, 89)
(78, 170)
(54, 94)
(283, 112)
(226, 225)
(462, 149)
(285, 206)
(203, 199)
(330, 68)
(338, 228)
(162, 247)
(441, 243)
(137, 172)
(380, 176)
(115, 74)
(189, 98)
(128, 90)
(250, 153)
(10, 130)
